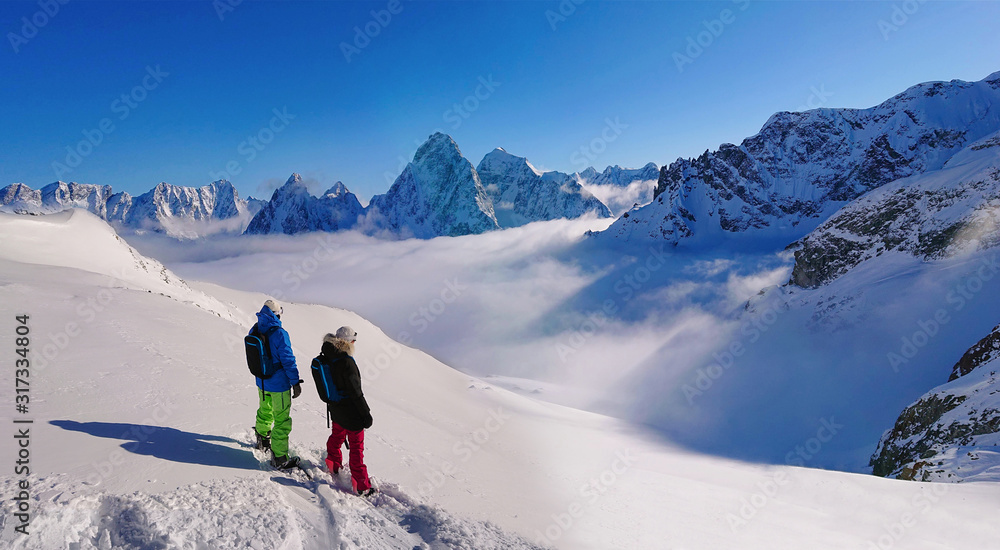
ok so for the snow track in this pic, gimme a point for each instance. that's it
(270, 509)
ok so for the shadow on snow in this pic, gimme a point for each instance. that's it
(168, 443)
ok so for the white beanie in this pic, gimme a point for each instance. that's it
(273, 306)
(347, 333)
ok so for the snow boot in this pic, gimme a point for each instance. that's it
(329, 466)
(285, 462)
(263, 441)
(367, 492)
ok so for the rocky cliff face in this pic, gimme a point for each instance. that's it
(802, 167)
(521, 194)
(439, 193)
(156, 209)
(930, 216)
(952, 432)
(292, 209)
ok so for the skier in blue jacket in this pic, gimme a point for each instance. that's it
(274, 420)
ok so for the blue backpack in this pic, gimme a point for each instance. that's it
(259, 353)
(323, 376)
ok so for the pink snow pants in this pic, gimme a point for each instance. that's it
(359, 472)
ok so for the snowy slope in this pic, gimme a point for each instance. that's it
(75, 238)
(801, 167)
(439, 193)
(292, 209)
(521, 194)
(154, 402)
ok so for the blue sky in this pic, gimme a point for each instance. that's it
(264, 89)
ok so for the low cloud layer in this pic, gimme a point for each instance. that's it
(658, 335)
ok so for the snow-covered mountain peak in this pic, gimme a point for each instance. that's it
(337, 190)
(499, 160)
(802, 166)
(438, 193)
(438, 148)
(293, 209)
(294, 179)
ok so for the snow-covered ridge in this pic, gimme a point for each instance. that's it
(932, 215)
(78, 239)
(801, 167)
(180, 211)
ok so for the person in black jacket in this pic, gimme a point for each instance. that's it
(351, 415)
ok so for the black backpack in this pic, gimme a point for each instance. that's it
(325, 384)
(259, 353)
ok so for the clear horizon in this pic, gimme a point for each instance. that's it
(129, 95)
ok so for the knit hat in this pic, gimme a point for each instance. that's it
(273, 306)
(347, 333)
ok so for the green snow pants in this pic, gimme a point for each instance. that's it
(275, 408)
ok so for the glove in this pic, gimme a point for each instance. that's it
(296, 390)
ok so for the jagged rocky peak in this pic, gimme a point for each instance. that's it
(523, 194)
(293, 209)
(19, 193)
(337, 190)
(619, 176)
(164, 208)
(439, 193)
(801, 167)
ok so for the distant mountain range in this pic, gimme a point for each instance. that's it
(180, 211)
(439, 193)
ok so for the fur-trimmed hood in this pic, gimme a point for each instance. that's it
(333, 346)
